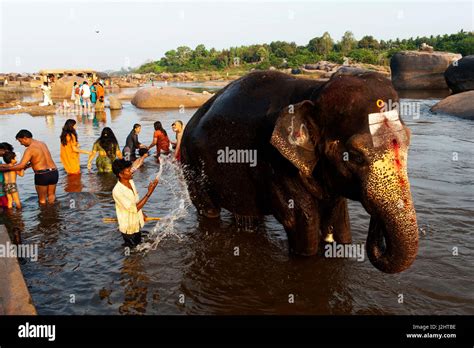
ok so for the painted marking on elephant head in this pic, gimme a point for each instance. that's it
(300, 136)
(383, 126)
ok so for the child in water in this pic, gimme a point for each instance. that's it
(10, 186)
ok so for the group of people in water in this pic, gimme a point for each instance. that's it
(108, 158)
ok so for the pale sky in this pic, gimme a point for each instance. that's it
(38, 35)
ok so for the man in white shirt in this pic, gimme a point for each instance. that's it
(86, 95)
(128, 204)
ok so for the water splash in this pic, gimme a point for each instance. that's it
(171, 179)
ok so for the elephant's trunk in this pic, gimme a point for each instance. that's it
(392, 241)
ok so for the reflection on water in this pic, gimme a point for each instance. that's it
(194, 259)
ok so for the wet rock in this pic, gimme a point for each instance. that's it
(62, 88)
(167, 97)
(461, 105)
(460, 75)
(421, 69)
(115, 103)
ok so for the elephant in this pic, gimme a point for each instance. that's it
(317, 144)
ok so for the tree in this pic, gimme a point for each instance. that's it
(321, 45)
(348, 42)
(368, 41)
(262, 54)
(200, 51)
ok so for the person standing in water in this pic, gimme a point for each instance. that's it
(99, 105)
(108, 149)
(86, 96)
(46, 94)
(178, 128)
(70, 150)
(10, 186)
(161, 140)
(132, 144)
(46, 172)
(128, 204)
(94, 94)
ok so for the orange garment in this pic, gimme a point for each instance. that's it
(162, 142)
(70, 158)
(100, 91)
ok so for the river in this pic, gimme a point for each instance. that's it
(192, 268)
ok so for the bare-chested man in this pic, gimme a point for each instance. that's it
(38, 156)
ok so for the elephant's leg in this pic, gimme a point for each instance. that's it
(297, 210)
(335, 221)
(199, 194)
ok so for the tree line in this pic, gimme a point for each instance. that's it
(282, 54)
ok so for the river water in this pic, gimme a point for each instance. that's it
(189, 265)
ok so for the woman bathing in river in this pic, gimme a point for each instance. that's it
(70, 150)
(161, 140)
(108, 150)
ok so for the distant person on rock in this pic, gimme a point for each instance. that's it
(46, 94)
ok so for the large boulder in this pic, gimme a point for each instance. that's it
(62, 88)
(461, 104)
(114, 103)
(460, 75)
(421, 69)
(167, 97)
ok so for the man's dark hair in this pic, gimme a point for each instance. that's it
(24, 133)
(119, 165)
(9, 157)
(142, 151)
(6, 146)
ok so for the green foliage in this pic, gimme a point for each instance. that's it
(282, 54)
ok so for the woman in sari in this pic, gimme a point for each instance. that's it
(107, 149)
(70, 150)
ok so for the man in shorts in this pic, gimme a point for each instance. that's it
(38, 156)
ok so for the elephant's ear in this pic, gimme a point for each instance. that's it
(296, 136)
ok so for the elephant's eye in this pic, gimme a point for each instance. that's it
(356, 158)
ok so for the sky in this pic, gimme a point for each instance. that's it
(38, 35)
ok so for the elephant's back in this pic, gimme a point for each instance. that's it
(241, 116)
